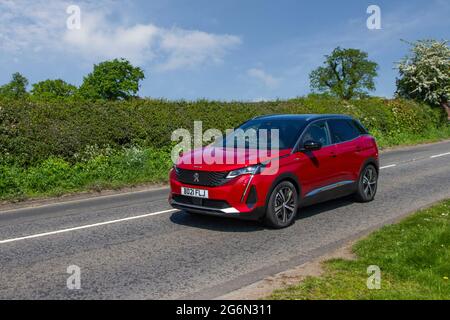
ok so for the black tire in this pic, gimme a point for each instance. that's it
(367, 184)
(282, 206)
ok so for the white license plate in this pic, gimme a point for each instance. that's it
(191, 192)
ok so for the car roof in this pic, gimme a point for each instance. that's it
(304, 117)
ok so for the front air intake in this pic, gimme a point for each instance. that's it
(252, 197)
(201, 178)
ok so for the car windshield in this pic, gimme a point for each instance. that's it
(260, 134)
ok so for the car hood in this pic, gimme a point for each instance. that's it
(225, 159)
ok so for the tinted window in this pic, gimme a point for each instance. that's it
(318, 132)
(359, 127)
(342, 130)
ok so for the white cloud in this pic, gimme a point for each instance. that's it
(260, 99)
(41, 25)
(25, 25)
(96, 40)
(189, 48)
(267, 79)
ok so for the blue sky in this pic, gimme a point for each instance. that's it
(226, 50)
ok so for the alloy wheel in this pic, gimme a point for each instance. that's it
(284, 204)
(370, 182)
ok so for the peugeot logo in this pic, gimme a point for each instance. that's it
(196, 177)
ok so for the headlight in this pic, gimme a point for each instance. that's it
(247, 170)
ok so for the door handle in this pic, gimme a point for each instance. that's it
(333, 155)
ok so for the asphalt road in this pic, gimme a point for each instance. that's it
(130, 247)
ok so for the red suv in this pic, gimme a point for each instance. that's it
(318, 158)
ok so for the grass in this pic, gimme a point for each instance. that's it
(99, 169)
(413, 255)
(405, 138)
(95, 170)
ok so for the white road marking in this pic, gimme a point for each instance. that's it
(440, 155)
(94, 198)
(388, 166)
(39, 235)
(416, 159)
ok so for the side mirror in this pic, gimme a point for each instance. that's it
(311, 145)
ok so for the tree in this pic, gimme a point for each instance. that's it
(53, 89)
(346, 73)
(112, 80)
(425, 73)
(16, 88)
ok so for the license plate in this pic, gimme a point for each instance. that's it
(191, 192)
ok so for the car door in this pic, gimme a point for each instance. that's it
(317, 168)
(344, 136)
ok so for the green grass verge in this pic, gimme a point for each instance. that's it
(95, 170)
(403, 139)
(413, 255)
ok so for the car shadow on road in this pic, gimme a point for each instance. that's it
(214, 223)
(236, 225)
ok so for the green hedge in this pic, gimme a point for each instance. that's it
(32, 132)
(107, 169)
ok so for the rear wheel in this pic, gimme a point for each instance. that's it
(367, 184)
(282, 206)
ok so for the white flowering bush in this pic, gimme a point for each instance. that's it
(425, 73)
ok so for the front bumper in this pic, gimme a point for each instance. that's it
(231, 200)
(229, 212)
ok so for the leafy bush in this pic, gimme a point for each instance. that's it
(32, 132)
(425, 73)
(16, 88)
(346, 73)
(57, 146)
(55, 176)
(112, 80)
(53, 89)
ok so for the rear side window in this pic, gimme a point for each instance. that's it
(342, 130)
(359, 127)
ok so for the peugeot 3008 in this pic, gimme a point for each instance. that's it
(319, 157)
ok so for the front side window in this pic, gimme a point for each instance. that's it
(342, 130)
(318, 132)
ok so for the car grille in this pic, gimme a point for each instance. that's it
(201, 178)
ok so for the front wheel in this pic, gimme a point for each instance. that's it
(282, 206)
(367, 184)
